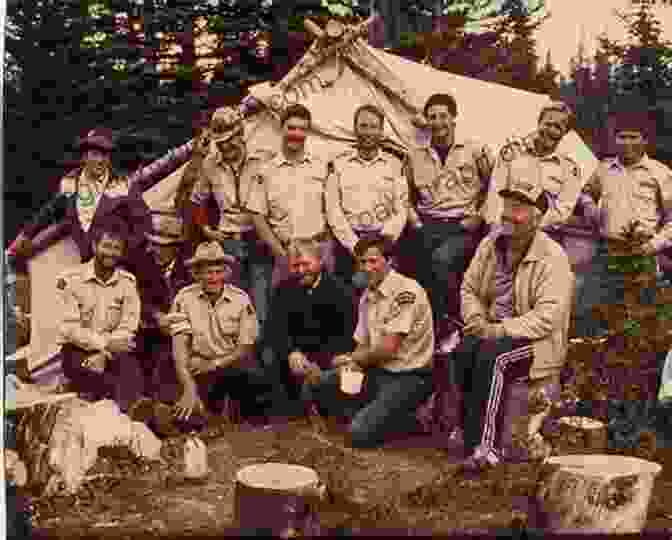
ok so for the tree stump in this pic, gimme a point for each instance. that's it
(580, 435)
(279, 498)
(595, 493)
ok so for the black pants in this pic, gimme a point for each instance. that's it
(482, 368)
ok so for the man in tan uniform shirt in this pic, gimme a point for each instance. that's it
(562, 180)
(214, 329)
(287, 201)
(367, 191)
(101, 317)
(627, 188)
(449, 179)
(221, 167)
(395, 347)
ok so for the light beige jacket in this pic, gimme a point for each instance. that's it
(543, 294)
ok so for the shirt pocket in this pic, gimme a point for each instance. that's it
(113, 313)
(646, 199)
(228, 324)
(353, 197)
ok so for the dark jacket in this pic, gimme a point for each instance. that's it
(132, 208)
(157, 292)
(319, 322)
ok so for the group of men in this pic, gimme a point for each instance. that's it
(366, 261)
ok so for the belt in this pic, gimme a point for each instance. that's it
(244, 235)
(319, 237)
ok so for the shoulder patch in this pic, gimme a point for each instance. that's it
(250, 309)
(127, 274)
(61, 284)
(236, 290)
(406, 297)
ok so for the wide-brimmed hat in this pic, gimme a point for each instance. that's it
(100, 138)
(524, 181)
(167, 229)
(210, 252)
(225, 123)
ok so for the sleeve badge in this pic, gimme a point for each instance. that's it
(61, 284)
(405, 298)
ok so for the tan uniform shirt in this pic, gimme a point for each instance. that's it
(290, 195)
(366, 196)
(94, 310)
(543, 292)
(230, 189)
(398, 306)
(640, 192)
(216, 330)
(561, 178)
(454, 189)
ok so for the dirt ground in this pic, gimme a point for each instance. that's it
(408, 485)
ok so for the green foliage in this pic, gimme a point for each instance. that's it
(664, 312)
(635, 264)
(632, 328)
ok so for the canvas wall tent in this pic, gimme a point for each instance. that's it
(332, 80)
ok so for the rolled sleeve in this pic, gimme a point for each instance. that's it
(179, 319)
(249, 326)
(361, 335)
(202, 190)
(663, 239)
(130, 315)
(335, 216)
(257, 201)
(395, 225)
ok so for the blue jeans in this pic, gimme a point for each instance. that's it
(387, 403)
(443, 253)
(255, 273)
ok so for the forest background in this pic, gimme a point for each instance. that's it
(152, 70)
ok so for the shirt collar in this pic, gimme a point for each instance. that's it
(225, 296)
(90, 274)
(644, 163)
(378, 157)
(429, 148)
(281, 160)
(535, 252)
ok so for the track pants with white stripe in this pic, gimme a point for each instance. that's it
(483, 369)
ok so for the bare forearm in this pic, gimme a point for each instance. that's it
(181, 346)
(366, 357)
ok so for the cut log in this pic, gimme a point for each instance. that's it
(279, 498)
(595, 493)
(580, 435)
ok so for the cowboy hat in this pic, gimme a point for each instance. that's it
(100, 138)
(225, 124)
(210, 252)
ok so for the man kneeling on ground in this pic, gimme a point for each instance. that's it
(516, 302)
(312, 319)
(395, 343)
(214, 328)
(100, 319)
